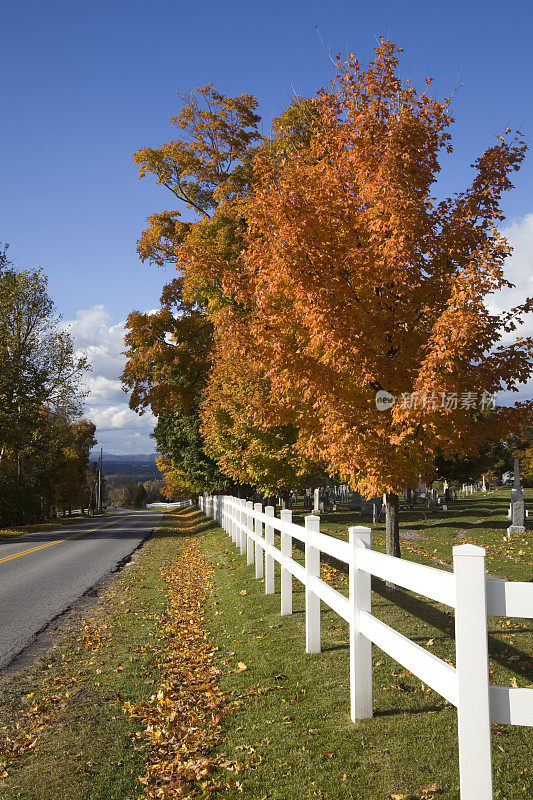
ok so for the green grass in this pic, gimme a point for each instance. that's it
(299, 728)
(89, 752)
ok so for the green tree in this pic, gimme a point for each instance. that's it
(139, 501)
(40, 400)
(184, 462)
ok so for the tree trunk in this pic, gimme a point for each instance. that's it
(392, 529)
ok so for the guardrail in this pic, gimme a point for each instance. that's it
(467, 589)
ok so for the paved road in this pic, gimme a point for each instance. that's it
(42, 574)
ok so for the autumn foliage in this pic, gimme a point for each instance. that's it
(326, 269)
(360, 280)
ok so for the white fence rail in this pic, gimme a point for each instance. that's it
(169, 506)
(467, 589)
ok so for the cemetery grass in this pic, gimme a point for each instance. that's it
(87, 748)
(479, 519)
(291, 723)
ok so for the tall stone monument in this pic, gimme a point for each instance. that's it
(518, 509)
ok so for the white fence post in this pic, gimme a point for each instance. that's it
(286, 552)
(312, 601)
(360, 646)
(258, 548)
(236, 511)
(232, 530)
(231, 519)
(249, 540)
(242, 523)
(473, 707)
(269, 560)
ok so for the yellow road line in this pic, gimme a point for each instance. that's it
(58, 541)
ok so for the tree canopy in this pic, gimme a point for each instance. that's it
(44, 443)
(326, 271)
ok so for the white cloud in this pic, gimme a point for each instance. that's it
(119, 429)
(518, 271)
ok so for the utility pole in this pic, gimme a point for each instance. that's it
(100, 504)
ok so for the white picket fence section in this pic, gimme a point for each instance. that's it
(169, 506)
(467, 589)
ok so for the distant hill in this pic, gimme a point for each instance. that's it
(141, 466)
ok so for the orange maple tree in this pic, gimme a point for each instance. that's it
(359, 280)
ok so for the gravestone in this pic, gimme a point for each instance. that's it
(367, 506)
(518, 508)
(316, 505)
(356, 501)
(377, 506)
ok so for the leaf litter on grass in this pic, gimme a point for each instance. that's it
(182, 718)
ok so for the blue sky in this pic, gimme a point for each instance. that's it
(84, 85)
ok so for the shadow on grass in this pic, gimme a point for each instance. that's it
(395, 712)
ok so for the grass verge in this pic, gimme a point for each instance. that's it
(64, 733)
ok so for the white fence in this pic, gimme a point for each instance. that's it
(467, 589)
(169, 506)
